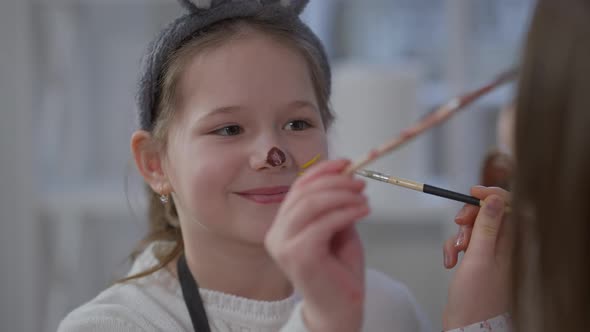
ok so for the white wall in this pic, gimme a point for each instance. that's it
(18, 237)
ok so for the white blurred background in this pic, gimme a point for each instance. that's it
(72, 207)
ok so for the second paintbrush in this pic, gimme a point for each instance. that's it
(425, 188)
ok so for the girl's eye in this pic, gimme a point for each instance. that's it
(298, 125)
(232, 130)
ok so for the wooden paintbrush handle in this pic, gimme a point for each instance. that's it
(438, 116)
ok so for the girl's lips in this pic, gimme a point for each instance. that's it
(267, 195)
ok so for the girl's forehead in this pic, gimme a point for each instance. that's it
(247, 69)
(252, 54)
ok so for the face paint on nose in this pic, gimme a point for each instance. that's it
(275, 157)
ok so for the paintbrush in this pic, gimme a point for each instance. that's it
(432, 119)
(425, 188)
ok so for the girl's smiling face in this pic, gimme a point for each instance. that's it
(238, 102)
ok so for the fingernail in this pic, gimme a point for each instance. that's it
(360, 182)
(460, 237)
(461, 214)
(447, 259)
(494, 207)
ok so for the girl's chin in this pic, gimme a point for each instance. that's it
(256, 233)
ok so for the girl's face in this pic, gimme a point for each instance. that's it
(238, 102)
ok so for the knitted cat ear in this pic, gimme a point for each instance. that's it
(195, 5)
(297, 5)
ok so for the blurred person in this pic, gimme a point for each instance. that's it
(533, 264)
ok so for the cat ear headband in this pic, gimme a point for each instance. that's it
(200, 5)
(199, 15)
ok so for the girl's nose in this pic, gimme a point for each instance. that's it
(273, 158)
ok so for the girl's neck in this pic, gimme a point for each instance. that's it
(240, 269)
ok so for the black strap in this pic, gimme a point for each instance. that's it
(192, 297)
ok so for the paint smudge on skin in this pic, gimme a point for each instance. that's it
(309, 163)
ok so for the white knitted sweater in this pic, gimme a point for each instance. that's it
(155, 303)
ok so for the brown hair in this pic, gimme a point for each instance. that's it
(551, 275)
(496, 170)
(163, 219)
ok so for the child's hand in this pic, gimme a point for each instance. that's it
(480, 288)
(314, 241)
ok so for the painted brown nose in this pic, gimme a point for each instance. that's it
(275, 157)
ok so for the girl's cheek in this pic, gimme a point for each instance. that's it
(308, 149)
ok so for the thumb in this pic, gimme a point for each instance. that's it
(487, 227)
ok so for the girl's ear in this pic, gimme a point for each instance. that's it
(148, 160)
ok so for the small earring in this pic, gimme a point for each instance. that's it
(164, 198)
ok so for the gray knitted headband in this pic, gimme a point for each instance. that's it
(202, 14)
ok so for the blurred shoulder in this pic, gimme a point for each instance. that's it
(102, 317)
(150, 303)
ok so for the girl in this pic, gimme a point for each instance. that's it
(233, 103)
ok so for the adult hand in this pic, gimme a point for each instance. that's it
(480, 287)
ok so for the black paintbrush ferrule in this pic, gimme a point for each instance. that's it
(451, 195)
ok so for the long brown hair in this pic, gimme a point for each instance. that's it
(551, 280)
(163, 218)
